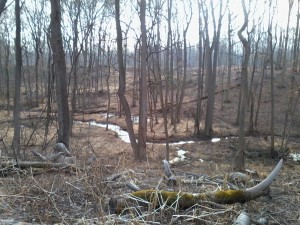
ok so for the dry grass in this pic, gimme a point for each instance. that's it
(81, 196)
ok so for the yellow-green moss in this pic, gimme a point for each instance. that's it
(170, 198)
(228, 196)
(185, 200)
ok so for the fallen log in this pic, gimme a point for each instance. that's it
(28, 164)
(186, 200)
(183, 200)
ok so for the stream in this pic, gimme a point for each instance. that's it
(124, 136)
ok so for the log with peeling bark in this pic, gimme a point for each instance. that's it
(185, 200)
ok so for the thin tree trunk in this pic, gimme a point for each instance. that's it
(260, 92)
(227, 92)
(239, 159)
(107, 84)
(143, 85)
(7, 50)
(185, 58)
(271, 49)
(199, 80)
(296, 42)
(291, 2)
(251, 92)
(18, 73)
(122, 83)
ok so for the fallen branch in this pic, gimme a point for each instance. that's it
(27, 164)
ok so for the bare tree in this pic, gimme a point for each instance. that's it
(35, 16)
(291, 2)
(143, 85)
(18, 73)
(182, 89)
(239, 158)
(271, 49)
(229, 57)
(200, 74)
(251, 98)
(212, 52)
(122, 83)
(60, 73)
(296, 41)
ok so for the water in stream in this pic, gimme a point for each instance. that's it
(123, 135)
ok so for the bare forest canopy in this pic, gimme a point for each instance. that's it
(171, 59)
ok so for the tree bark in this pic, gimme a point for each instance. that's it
(143, 85)
(212, 62)
(239, 159)
(18, 73)
(60, 73)
(122, 83)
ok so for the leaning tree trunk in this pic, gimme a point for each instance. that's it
(60, 74)
(122, 83)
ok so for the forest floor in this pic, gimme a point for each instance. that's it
(80, 195)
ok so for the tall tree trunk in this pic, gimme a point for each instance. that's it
(36, 69)
(251, 91)
(212, 62)
(7, 51)
(199, 77)
(296, 42)
(60, 73)
(18, 73)
(229, 57)
(107, 84)
(143, 85)
(271, 51)
(239, 159)
(74, 68)
(49, 88)
(122, 83)
(135, 69)
(291, 2)
(185, 59)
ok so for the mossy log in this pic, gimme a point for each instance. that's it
(186, 200)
